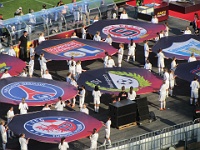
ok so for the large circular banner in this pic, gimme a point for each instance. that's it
(110, 80)
(14, 65)
(181, 46)
(80, 49)
(187, 71)
(123, 30)
(50, 125)
(36, 91)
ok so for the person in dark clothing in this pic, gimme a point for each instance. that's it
(60, 3)
(123, 95)
(23, 46)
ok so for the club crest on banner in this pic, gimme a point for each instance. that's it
(73, 48)
(196, 71)
(3, 66)
(124, 31)
(31, 91)
(54, 127)
(184, 48)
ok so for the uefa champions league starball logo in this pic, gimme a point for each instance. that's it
(54, 127)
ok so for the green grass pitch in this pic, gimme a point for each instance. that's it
(10, 6)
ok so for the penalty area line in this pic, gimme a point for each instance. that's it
(44, 2)
(7, 1)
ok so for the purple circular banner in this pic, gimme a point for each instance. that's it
(110, 80)
(36, 91)
(80, 49)
(123, 30)
(180, 46)
(14, 65)
(50, 126)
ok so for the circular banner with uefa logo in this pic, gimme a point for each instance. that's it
(80, 49)
(111, 80)
(36, 91)
(123, 30)
(50, 125)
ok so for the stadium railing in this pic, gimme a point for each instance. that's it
(185, 132)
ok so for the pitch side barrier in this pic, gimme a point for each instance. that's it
(161, 139)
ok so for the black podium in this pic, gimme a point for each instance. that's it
(122, 112)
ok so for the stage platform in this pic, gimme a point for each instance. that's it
(185, 7)
(178, 108)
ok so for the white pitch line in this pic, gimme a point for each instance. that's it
(44, 2)
(7, 1)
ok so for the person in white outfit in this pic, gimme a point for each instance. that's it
(148, 65)
(31, 66)
(97, 37)
(194, 90)
(161, 61)
(166, 29)
(107, 131)
(72, 66)
(46, 107)
(63, 145)
(5, 74)
(3, 130)
(131, 94)
(82, 96)
(31, 50)
(124, 15)
(172, 77)
(10, 115)
(23, 142)
(60, 104)
(131, 50)
(74, 36)
(24, 73)
(120, 54)
(94, 138)
(43, 63)
(173, 64)
(11, 52)
(162, 34)
(192, 58)
(84, 109)
(78, 70)
(110, 62)
(68, 78)
(187, 31)
(166, 79)
(154, 19)
(96, 97)
(146, 50)
(109, 39)
(47, 75)
(105, 59)
(23, 107)
(83, 31)
(162, 96)
(41, 38)
(73, 100)
(96, 18)
(157, 38)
